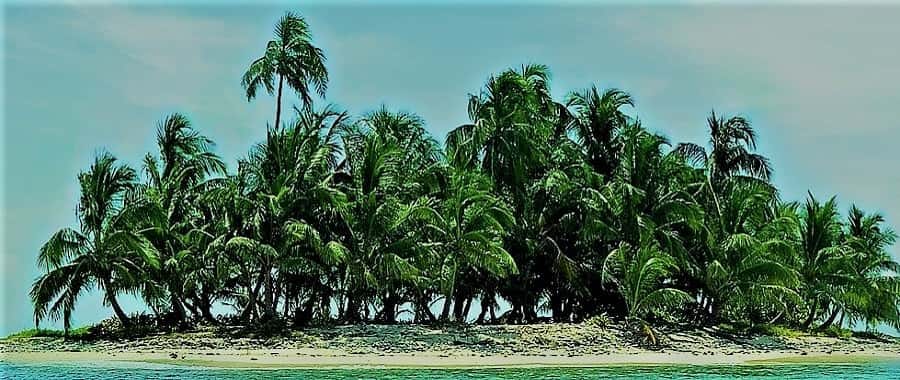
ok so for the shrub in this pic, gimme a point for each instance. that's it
(79, 333)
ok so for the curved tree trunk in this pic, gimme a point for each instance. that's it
(251, 301)
(278, 102)
(812, 315)
(111, 298)
(831, 318)
(445, 312)
(465, 314)
(119, 312)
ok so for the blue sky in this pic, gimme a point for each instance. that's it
(821, 84)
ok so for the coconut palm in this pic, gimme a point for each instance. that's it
(164, 209)
(731, 143)
(383, 243)
(512, 120)
(469, 223)
(872, 290)
(290, 57)
(598, 120)
(823, 258)
(639, 275)
(103, 253)
(293, 206)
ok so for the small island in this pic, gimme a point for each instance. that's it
(541, 232)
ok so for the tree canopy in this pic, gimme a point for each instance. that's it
(533, 208)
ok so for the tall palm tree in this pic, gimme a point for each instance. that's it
(598, 119)
(872, 289)
(292, 57)
(513, 118)
(470, 223)
(294, 207)
(731, 143)
(164, 206)
(104, 252)
(823, 257)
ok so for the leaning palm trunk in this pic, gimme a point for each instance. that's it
(247, 314)
(812, 315)
(111, 298)
(445, 311)
(278, 102)
(831, 318)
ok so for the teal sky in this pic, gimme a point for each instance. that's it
(820, 83)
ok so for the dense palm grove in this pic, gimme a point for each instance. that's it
(537, 208)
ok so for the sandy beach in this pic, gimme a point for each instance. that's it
(280, 359)
(559, 345)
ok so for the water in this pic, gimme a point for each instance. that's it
(869, 371)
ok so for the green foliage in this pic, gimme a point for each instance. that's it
(776, 330)
(570, 209)
(78, 333)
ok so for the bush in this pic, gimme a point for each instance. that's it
(837, 332)
(79, 333)
(141, 325)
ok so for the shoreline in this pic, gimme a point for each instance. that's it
(264, 360)
(412, 346)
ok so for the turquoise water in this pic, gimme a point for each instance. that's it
(144, 371)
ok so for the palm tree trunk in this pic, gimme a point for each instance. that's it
(111, 298)
(465, 314)
(389, 311)
(178, 310)
(448, 299)
(208, 315)
(830, 319)
(278, 102)
(119, 312)
(351, 313)
(493, 313)
(445, 311)
(268, 300)
(812, 315)
(251, 301)
(458, 305)
(556, 305)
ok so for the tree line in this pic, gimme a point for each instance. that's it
(564, 208)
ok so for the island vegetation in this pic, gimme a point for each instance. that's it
(535, 210)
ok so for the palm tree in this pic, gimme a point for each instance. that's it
(598, 120)
(164, 207)
(512, 120)
(383, 244)
(104, 252)
(470, 223)
(639, 275)
(292, 57)
(732, 141)
(872, 290)
(293, 210)
(823, 257)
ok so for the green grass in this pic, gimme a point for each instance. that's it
(80, 332)
(788, 332)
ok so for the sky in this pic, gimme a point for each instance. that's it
(821, 85)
